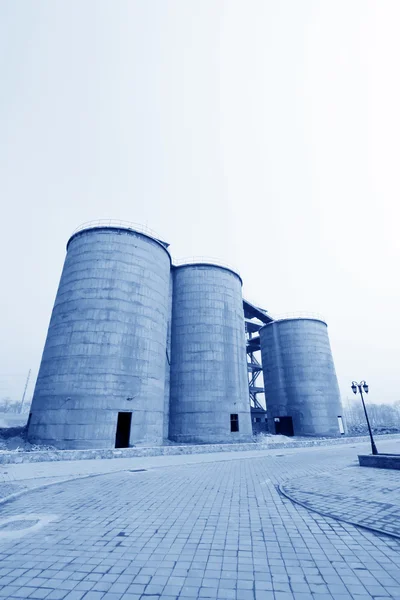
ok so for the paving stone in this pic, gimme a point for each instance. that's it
(94, 595)
(234, 537)
(75, 595)
(40, 593)
(57, 595)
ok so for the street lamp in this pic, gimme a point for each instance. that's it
(360, 387)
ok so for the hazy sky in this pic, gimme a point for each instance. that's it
(262, 132)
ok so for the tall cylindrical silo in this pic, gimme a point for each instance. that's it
(209, 400)
(102, 377)
(301, 387)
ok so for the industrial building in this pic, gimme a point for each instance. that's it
(141, 350)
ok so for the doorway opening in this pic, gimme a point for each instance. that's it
(284, 426)
(123, 430)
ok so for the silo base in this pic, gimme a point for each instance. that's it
(88, 444)
(300, 427)
(212, 439)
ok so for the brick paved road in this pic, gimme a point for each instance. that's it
(355, 494)
(216, 530)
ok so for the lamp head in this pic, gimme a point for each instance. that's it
(354, 387)
(365, 387)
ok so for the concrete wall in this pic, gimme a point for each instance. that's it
(105, 350)
(379, 461)
(299, 376)
(208, 357)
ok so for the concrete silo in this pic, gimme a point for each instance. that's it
(300, 382)
(103, 372)
(209, 399)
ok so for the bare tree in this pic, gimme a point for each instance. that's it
(8, 405)
(383, 417)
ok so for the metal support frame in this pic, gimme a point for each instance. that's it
(254, 369)
(255, 318)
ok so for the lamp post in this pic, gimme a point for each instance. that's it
(360, 387)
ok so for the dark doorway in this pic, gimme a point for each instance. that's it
(234, 423)
(284, 426)
(123, 430)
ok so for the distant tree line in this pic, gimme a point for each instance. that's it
(8, 405)
(383, 417)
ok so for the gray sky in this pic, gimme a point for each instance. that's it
(264, 133)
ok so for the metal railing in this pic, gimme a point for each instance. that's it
(299, 315)
(206, 260)
(117, 223)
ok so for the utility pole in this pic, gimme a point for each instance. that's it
(25, 388)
